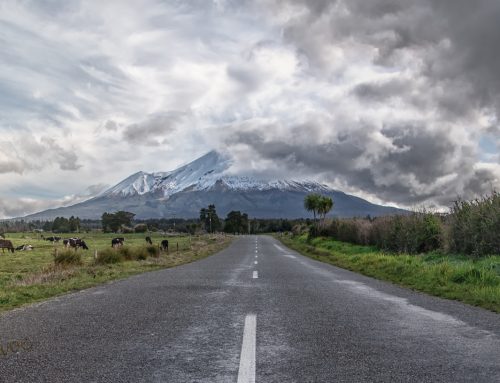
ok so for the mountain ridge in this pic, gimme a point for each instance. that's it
(184, 191)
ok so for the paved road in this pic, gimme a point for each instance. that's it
(227, 318)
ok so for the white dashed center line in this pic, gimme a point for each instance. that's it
(246, 372)
(255, 274)
(256, 262)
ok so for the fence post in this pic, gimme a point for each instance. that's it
(95, 254)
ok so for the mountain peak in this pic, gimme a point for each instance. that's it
(202, 173)
(185, 190)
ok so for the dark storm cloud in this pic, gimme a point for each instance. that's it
(438, 91)
(406, 172)
(457, 41)
(381, 91)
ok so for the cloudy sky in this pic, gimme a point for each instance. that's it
(396, 101)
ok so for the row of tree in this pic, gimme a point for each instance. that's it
(319, 205)
(209, 221)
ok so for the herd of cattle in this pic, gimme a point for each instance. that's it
(75, 243)
(117, 242)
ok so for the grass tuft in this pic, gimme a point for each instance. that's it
(67, 257)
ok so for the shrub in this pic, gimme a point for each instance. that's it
(299, 229)
(108, 256)
(415, 233)
(126, 230)
(67, 257)
(141, 228)
(152, 251)
(125, 252)
(474, 226)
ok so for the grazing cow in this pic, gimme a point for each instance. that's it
(53, 239)
(148, 240)
(24, 248)
(75, 243)
(117, 242)
(6, 244)
(164, 244)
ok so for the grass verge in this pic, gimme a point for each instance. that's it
(27, 277)
(473, 281)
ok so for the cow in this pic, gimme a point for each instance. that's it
(75, 243)
(148, 240)
(24, 248)
(6, 244)
(164, 244)
(53, 239)
(117, 242)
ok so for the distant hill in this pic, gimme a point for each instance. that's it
(184, 191)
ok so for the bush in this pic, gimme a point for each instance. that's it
(141, 228)
(126, 230)
(68, 257)
(475, 226)
(108, 256)
(152, 251)
(414, 233)
(125, 253)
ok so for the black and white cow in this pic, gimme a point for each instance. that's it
(148, 240)
(117, 242)
(75, 243)
(25, 248)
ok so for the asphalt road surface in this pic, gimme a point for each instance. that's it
(256, 311)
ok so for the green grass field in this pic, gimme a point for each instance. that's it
(473, 281)
(31, 276)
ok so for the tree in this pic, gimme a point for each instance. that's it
(312, 203)
(325, 204)
(141, 228)
(210, 219)
(74, 224)
(113, 222)
(61, 225)
(236, 222)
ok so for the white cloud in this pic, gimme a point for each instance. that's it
(387, 99)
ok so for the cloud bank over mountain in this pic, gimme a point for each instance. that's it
(395, 101)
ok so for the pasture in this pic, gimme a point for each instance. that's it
(30, 276)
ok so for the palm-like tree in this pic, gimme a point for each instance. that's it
(325, 204)
(312, 203)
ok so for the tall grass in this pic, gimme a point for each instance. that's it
(67, 258)
(471, 228)
(125, 253)
(475, 226)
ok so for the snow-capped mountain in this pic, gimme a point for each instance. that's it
(202, 174)
(185, 190)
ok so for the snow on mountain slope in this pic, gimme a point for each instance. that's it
(205, 173)
(183, 192)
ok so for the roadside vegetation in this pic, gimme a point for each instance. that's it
(50, 269)
(454, 255)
